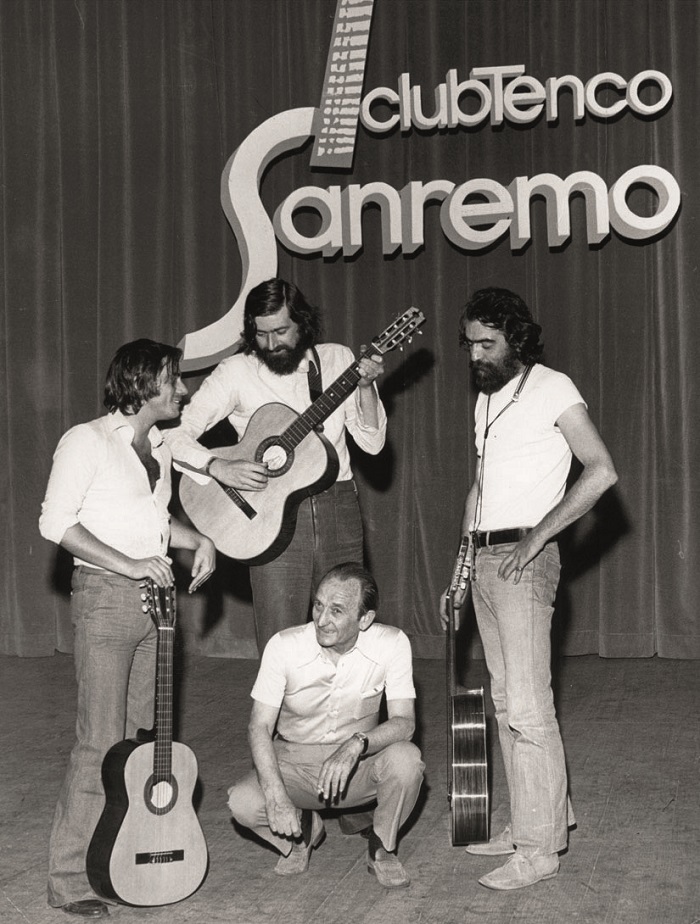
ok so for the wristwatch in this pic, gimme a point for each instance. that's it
(361, 736)
(208, 466)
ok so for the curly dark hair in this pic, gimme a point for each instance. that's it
(349, 570)
(132, 377)
(271, 296)
(505, 311)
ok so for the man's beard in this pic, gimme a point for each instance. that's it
(284, 360)
(491, 377)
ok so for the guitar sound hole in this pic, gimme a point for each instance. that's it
(160, 797)
(275, 456)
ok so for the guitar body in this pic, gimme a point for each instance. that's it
(256, 526)
(469, 769)
(263, 531)
(148, 847)
(467, 757)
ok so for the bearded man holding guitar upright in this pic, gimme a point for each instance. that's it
(529, 420)
(107, 504)
(279, 366)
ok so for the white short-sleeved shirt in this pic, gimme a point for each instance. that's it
(526, 459)
(325, 703)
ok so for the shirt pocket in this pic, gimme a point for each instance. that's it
(368, 701)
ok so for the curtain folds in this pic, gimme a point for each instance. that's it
(117, 119)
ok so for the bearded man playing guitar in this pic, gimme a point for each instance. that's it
(278, 366)
(107, 504)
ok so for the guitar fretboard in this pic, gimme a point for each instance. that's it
(163, 751)
(323, 406)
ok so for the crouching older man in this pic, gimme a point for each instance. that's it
(320, 685)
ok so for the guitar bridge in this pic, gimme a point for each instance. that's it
(160, 856)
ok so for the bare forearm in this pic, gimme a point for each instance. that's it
(265, 761)
(183, 536)
(469, 509)
(593, 482)
(396, 729)
(85, 545)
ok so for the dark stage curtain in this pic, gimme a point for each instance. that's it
(118, 117)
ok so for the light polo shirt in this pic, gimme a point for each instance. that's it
(243, 383)
(324, 703)
(97, 480)
(526, 459)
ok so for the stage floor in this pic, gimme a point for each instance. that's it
(632, 738)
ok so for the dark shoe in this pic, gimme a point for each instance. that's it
(388, 869)
(87, 908)
(297, 861)
(499, 846)
(521, 871)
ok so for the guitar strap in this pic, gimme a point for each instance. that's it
(315, 381)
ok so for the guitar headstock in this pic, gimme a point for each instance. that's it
(400, 330)
(159, 603)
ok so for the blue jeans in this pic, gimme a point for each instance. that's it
(328, 533)
(514, 622)
(115, 657)
(393, 777)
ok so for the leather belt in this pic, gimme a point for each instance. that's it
(498, 536)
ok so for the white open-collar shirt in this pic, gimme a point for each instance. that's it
(322, 702)
(97, 480)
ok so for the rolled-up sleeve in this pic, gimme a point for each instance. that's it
(369, 439)
(74, 466)
(214, 400)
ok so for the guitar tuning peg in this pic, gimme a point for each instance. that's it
(144, 608)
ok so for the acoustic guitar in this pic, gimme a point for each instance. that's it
(256, 526)
(467, 759)
(148, 847)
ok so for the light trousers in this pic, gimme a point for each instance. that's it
(514, 622)
(115, 658)
(393, 777)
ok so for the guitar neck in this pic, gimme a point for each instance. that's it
(457, 583)
(163, 750)
(324, 405)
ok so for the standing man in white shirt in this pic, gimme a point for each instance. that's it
(529, 421)
(107, 504)
(320, 687)
(281, 334)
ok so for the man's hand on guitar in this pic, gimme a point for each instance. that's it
(457, 602)
(240, 474)
(157, 568)
(458, 598)
(370, 368)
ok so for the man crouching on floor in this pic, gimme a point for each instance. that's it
(320, 687)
